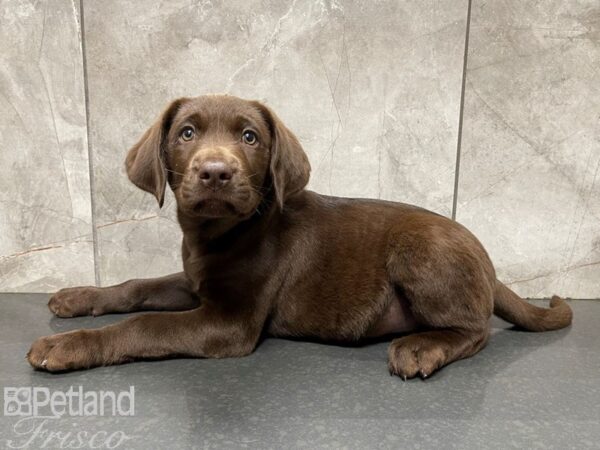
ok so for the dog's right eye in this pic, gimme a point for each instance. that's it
(187, 134)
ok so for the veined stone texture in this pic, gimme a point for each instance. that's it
(372, 89)
(530, 164)
(45, 207)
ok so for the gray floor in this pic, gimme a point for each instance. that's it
(525, 390)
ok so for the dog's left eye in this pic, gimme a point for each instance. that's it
(249, 137)
(187, 133)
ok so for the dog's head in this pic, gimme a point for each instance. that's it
(221, 155)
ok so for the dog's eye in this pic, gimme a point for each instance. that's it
(187, 134)
(249, 137)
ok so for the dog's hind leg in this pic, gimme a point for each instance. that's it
(448, 281)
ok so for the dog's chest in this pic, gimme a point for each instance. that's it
(224, 276)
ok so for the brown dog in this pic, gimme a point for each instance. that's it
(263, 255)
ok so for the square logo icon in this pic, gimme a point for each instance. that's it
(17, 401)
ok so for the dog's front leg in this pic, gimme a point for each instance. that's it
(170, 293)
(208, 331)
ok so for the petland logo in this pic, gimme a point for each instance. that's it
(40, 402)
(39, 417)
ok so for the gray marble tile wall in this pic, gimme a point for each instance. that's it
(529, 179)
(372, 89)
(46, 238)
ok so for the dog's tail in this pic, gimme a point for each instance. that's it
(509, 306)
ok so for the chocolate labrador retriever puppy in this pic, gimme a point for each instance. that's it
(262, 255)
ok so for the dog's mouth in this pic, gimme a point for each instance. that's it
(214, 208)
(234, 201)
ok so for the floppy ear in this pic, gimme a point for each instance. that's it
(289, 166)
(145, 163)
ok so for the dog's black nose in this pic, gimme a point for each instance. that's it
(215, 174)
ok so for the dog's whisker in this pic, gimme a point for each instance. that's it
(175, 172)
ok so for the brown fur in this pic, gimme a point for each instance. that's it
(261, 254)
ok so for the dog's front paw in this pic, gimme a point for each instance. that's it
(80, 349)
(78, 301)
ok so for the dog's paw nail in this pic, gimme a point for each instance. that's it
(404, 377)
(44, 363)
